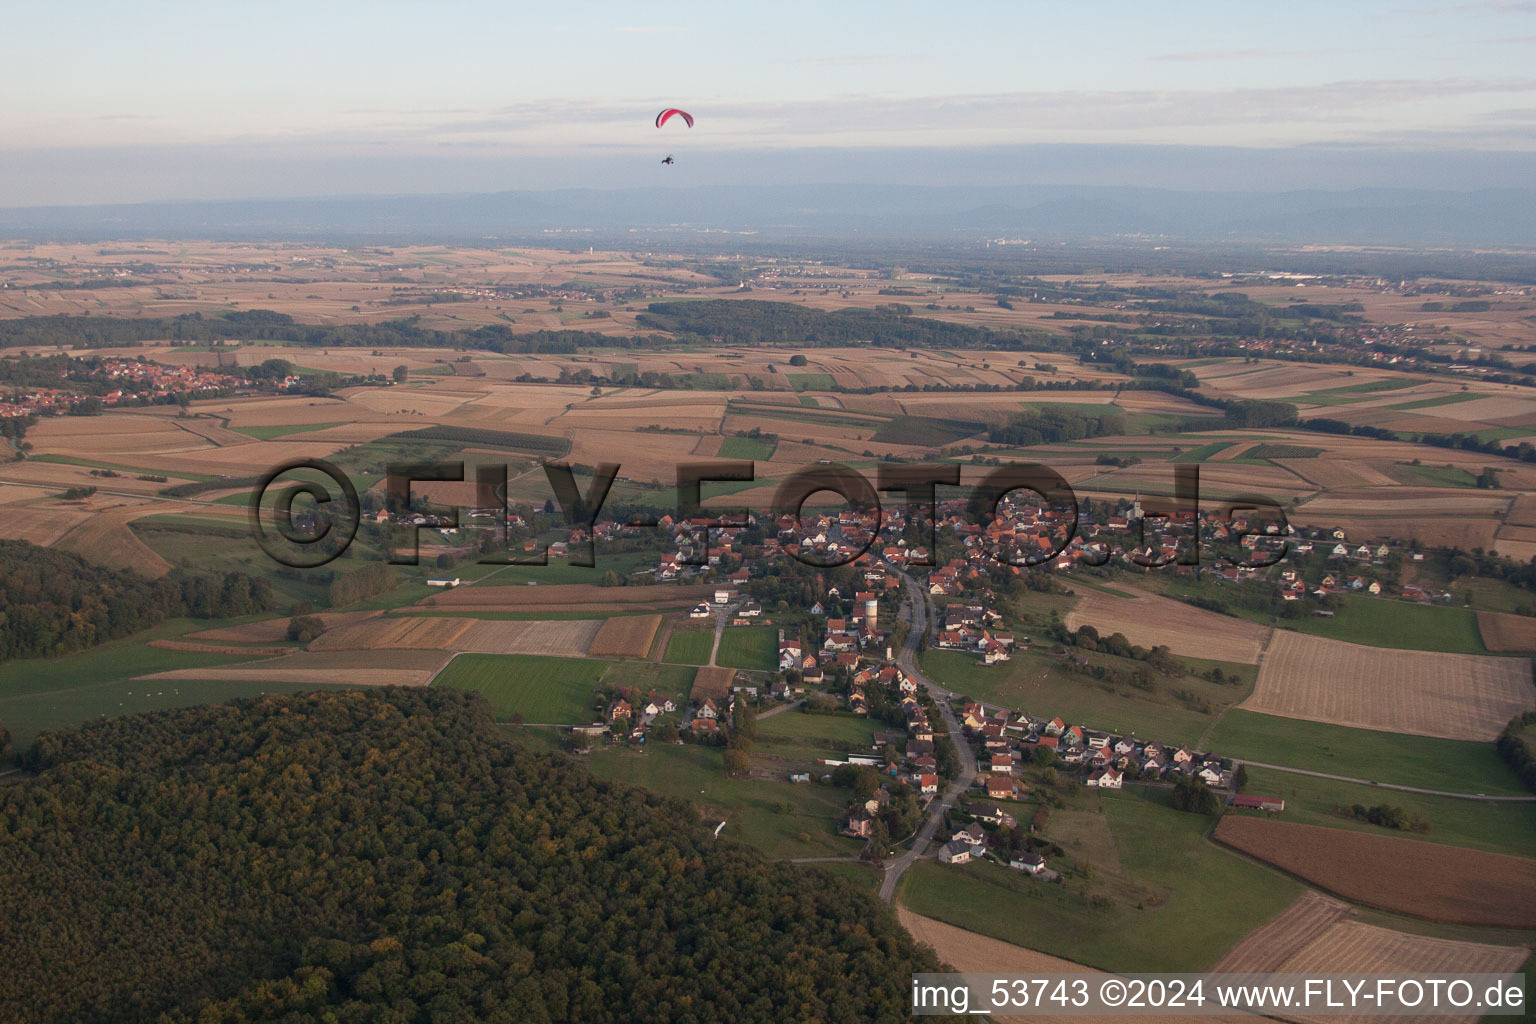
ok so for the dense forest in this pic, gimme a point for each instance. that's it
(53, 602)
(753, 322)
(265, 325)
(386, 855)
(1049, 426)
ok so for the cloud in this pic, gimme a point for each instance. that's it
(857, 60)
(1215, 55)
(643, 30)
(1493, 7)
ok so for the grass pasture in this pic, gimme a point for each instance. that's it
(541, 689)
(1454, 766)
(689, 647)
(781, 819)
(749, 647)
(755, 449)
(1498, 827)
(1180, 903)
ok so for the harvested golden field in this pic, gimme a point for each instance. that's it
(1455, 696)
(40, 526)
(1289, 932)
(272, 630)
(1314, 935)
(1329, 473)
(1523, 511)
(211, 431)
(641, 456)
(104, 538)
(568, 637)
(1505, 632)
(421, 632)
(712, 683)
(968, 952)
(115, 433)
(1149, 620)
(355, 668)
(625, 636)
(1448, 531)
(1403, 876)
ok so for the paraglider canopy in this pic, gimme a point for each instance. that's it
(666, 115)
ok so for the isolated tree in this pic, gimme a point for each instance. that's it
(400, 373)
(737, 761)
(304, 628)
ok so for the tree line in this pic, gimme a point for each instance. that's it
(386, 855)
(54, 603)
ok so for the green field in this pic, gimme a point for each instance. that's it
(781, 819)
(1438, 400)
(645, 676)
(751, 647)
(797, 725)
(1386, 623)
(1282, 451)
(1453, 766)
(1499, 827)
(542, 689)
(1492, 595)
(52, 693)
(1036, 683)
(1176, 903)
(268, 433)
(811, 381)
(755, 448)
(70, 460)
(926, 430)
(1373, 621)
(1436, 476)
(690, 647)
(1203, 452)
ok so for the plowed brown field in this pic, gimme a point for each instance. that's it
(1404, 876)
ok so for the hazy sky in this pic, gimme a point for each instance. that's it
(110, 102)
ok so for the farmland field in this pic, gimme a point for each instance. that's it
(1179, 905)
(853, 729)
(1454, 696)
(361, 668)
(1317, 934)
(1426, 880)
(1040, 684)
(1505, 633)
(752, 448)
(427, 634)
(1284, 935)
(750, 647)
(559, 636)
(1495, 826)
(541, 689)
(778, 818)
(689, 647)
(627, 636)
(1149, 620)
(1453, 766)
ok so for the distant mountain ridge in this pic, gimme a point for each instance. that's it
(1370, 216)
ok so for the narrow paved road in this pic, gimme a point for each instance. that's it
(907, 662)
(1390, 785)
(720, 630)
(781, 708)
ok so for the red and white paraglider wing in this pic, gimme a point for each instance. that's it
(666, 115)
